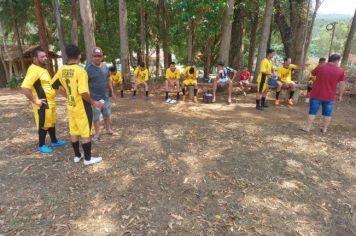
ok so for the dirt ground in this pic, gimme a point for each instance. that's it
(185, 169)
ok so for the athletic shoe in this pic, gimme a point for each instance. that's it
(213, 101)
(260, 108)
(58, 143)
(276, 102)
(172, 101)
(93, 160)
(244, 94)
(132, 97)
(307, 100)
(229, 101)
(168, 100)
(45, 149)
(195, 99)
(147, 98)
(264, 105)
(290, 101)
(77, 159)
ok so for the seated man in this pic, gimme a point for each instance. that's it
(284, 75)
(244, 81)
(312, 78)
(190, 75)
(172, 79)
(223, 78)
(140, 77)
(116, 80)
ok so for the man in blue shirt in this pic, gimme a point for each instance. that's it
(99, 86)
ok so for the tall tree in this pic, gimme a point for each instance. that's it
(238, 35)
(17, 36)
(124, 42)
(142, 26)
(226, 32)
(74, 17)
(254, 26)
(347, 49)
(164, 32)
(265, 35)
(88, 27)
(57, 13)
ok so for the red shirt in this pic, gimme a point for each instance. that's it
(328, 75)
(245, 75)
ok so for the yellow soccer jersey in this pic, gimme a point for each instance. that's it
(312, 77)
(266, 67)
(39, 81)
(172, 75)
(190, 76)
(285, 74)
(74, 80)
(141, 75)
(116, 78)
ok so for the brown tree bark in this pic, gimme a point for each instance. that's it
(226, 33)
(347, 49)
(254, 26)
(142, 31)
(164, 32)
(157, 60)
(124, 42)
(57, 13)
(237, 37)
(88, 27)
(190, 30)
(74, 17)
(208, 56)
(265, 34)
(17, 36)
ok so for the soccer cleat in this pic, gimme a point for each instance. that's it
(44, 149)
(195, 99)
(93, 160)
(58, 143)
(276, 102)
(132, 97)
(264, 105)
(168, 100)
(260, 108)
(77, 159)
(290, 102)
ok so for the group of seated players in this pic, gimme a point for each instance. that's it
(179, 81)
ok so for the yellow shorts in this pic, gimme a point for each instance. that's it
(188, 82)
(262, 84)
(80, 124)
(45, 118)
(139, 81)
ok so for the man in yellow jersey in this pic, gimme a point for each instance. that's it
(172, 79)
(190, 76)
(284, 75)
(116, 80)
(266, 70)
(312, 78)
(74, 80)
(224, 77)
(140, 77)
(37, 88)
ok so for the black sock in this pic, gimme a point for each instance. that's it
(195, 92)
(52, 134)
(122, 93)
(75, 146)
(166, 95)
(42, 137)
(263, 101)
(177, 96)
(291, 94)
(277, 94)
(258, 103)
(134, 93)
(183, 91)
(146, 93)
(87, 151)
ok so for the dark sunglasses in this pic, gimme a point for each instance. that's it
(97, 55)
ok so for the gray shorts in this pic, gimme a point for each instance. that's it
(105, 110)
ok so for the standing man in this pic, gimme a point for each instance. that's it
(224, 78)
(140, 77)
(99, 85)
(74, 79)
(266, 69)
(172, 79)
(328, 75)
(37, 88)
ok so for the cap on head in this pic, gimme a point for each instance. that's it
(97, 51)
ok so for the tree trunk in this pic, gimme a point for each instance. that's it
(74, 16)
(88, 27)
(124, 42)
(17, 36)
(265, 34)
(142, 31)
(57, 12)
(254, 26)
(157, 60)
(226, 33)
(4, 46)
(164, 32)
(347, 49)
(208, 56)
(190, 42)
(147, 56)
(237, 38)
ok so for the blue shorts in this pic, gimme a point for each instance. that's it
(327, 107)
(105, 110)
(223, 81)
